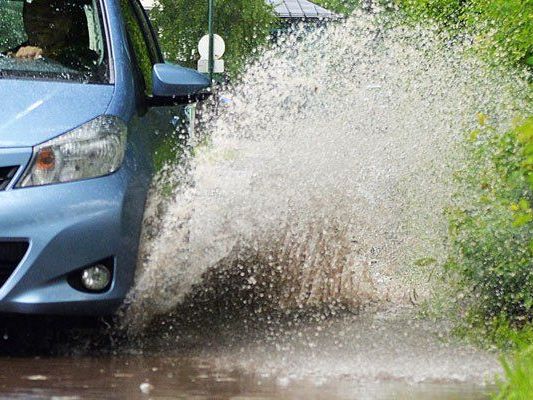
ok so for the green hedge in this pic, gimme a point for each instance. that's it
(502, 29)
(491, 229)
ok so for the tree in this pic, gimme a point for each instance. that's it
(339, 6)
(244, 24)
(502, 29)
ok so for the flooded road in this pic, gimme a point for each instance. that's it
(191, 378)
(376, 355)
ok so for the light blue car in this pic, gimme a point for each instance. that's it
(84, 94)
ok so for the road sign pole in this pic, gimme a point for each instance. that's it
(211, 18)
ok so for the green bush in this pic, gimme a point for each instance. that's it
(502, 29)
(244, 24)
(491, 222)
(491, 227)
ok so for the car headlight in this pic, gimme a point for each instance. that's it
(91, 150)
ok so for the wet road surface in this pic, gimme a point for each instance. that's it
(378, 356)
(138, 377)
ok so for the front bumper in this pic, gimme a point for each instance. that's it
(70, 226)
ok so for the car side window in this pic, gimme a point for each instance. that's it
(141, 40)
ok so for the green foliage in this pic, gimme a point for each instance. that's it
(244, 24)
(339, 6)
(503, 29)
(491, 226)
(518, 383)
(446, 12)
(491, 230)
(496, 333)
(12, 32)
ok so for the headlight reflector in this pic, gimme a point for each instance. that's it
(89, 151)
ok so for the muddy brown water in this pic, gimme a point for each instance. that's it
(379, 355)
(190, 378)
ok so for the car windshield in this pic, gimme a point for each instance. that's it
(52, 39)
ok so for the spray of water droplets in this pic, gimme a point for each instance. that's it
(323, 180)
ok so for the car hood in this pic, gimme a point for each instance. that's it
(32, 112)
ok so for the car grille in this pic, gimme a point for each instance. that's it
(11, 254)
(6, 174)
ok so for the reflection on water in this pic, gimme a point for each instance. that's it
(375, 355)
(191, 378)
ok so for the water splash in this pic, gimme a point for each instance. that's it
(323, 181)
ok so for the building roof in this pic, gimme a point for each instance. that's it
(299, 9)
(283, 9)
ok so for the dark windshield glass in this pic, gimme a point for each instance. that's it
(57, 39)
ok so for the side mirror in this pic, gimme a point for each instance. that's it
(173, 84)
